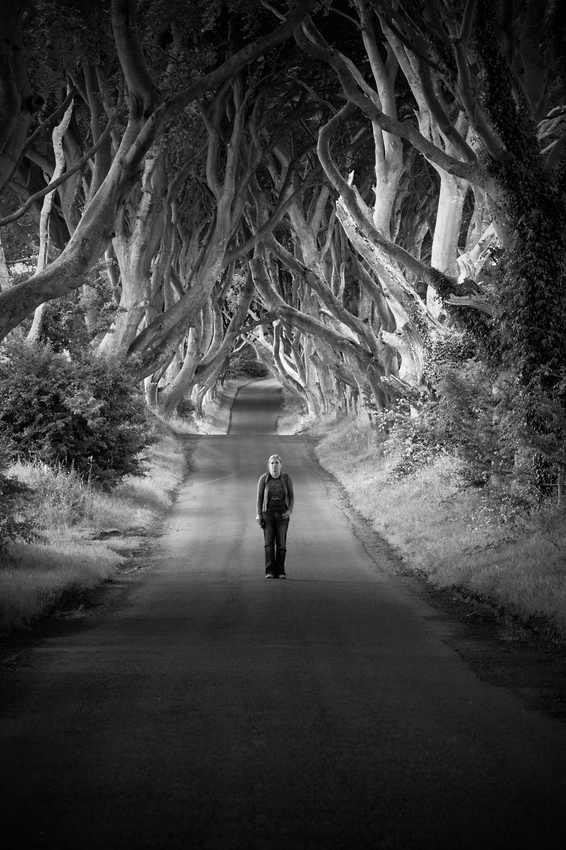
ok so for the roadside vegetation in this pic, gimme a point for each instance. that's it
(83, 467)
(508, 551)
(78, 535)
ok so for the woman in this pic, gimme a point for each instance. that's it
(275, 501)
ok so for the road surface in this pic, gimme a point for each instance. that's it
(213, 709)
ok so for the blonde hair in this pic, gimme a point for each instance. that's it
(274, 457)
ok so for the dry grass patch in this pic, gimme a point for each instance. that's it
(35, 576)
(69, 515)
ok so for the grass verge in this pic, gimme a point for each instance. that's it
(455, 535)
(77, 532)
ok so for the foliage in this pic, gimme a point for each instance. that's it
(480, 417)
(14, 499)
(64, 326)
(59, 34)
(409, 443)
(245, 364)
(81, 414)
(477, 421)
(532, 291)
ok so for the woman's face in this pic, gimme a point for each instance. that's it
(275, 467)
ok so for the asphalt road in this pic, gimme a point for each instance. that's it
(209, 708)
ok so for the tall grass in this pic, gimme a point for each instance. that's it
(38, 575)
(457, 535)
(70, 517)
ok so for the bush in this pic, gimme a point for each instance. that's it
(14, 500)
(244, 364)
(82, 415)
(186, 408)
(409, 443)
(64, 324)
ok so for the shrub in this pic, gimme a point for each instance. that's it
(244, 364)
(409, 443)
(14, 500)
(83, 415)
(186, 408)
(65, 320)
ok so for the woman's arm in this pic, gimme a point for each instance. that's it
(291, 495)
(259, 500)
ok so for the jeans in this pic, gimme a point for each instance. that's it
(275, 540)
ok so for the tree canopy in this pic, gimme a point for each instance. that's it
(369, 194)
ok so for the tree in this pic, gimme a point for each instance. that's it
(484, 77)
(392, 176)
(148, 114)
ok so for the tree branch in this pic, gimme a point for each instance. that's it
(301, 320)
(403, 129)
(55, 183)
(141, 88)
(242, 57)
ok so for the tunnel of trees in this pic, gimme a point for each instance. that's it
(368, 195)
